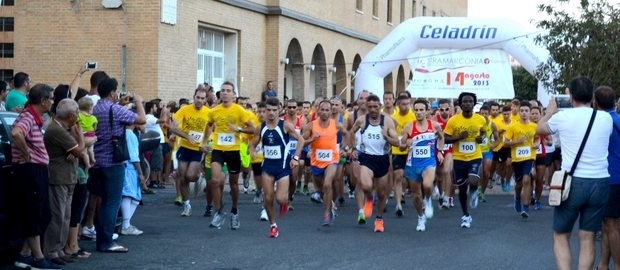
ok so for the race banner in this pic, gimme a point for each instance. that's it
(445, 73)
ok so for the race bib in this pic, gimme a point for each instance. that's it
(422, 152)
(324, 155)
(272, 152)
(292, 145)
(226, 139)
(196, 136)
(447, 146)
(539, 149)
(523, 152)
(467, 147)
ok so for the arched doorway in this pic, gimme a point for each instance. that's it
(339, 75)
(356, 63)
(388, 85)
(294, 71)
(400, 79)
(318, 74)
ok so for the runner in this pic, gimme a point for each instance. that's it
(226, 121)
(257, 160)
(542, 159)
(321, 135)
(297, 121)
(521, 137)
(377, 134)
(353, 167)
(466, 130)
(402, 117)
(304, 167)
(274, 135)
(340, 117)
(420, 137)
(501, 155)
(189, 123)
(487, 155)
(444, 175)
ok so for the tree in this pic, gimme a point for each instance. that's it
(586, 43)
(525, 84)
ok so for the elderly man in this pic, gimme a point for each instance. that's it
(64, 152)
(30, 161)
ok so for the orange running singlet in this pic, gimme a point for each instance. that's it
(324, 151)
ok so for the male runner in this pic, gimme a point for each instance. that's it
(376, 135)
(521, 137)
(189, 123)
(297, 121)
(321, 135)
(487, 155)
(274, 135)
(226, 121)
(420, 137)
(466, 131)
(401, 118)
(444, 175)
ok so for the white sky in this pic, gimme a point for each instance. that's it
(521, 11)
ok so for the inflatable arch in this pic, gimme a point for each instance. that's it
(448, 33)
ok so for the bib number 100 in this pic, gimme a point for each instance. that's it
(467, 148)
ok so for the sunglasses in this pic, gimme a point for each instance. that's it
(292, 107)
(444, 110)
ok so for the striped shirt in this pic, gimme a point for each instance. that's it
(33, 134)
(103, 146)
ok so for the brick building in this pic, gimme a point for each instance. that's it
(163, 48)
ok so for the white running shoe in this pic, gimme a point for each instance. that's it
(187, 211)
(263, 215)
(131, 230)
(428, 208)
(435, 193)
(421, 224)
(466, 221)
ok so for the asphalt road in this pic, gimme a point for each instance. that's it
(498, 239)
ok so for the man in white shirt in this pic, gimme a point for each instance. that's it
(589, 190)
(153, 124)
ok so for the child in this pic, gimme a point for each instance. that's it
(134, 179)
(88, 123)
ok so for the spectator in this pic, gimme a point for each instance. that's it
(134, 178)
(4, 91)
(95, 79)
(156, 161)
(16, 99)
(64, 151)
(604, 98)
(269, 92)
(30, 168)
(590, 181)
(107, 176)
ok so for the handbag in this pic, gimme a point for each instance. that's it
(561, 180)
(120, 152)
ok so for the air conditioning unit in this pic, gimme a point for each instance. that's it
(112, 3)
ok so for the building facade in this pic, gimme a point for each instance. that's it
(164, 48)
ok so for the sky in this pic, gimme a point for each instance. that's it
(521, 11)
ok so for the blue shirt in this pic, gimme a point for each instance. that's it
(613, 157)
(103, 146)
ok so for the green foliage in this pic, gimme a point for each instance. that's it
(585, 43)
(524, 83)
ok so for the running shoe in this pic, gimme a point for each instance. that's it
(436, 194)
(518, 206)
(537, 205)
(23, 262)
(379, 225)
(178, 201)
(399, 211)
(421, 224)
(445, 204)
(44, 264)
(218, 220)
(258, 197)
(473, 199)
(490, 185)
(327, 221)
(283, 209)
(234, 221)
(207, 211)
(187, 210)
(341, 201)
(392, 194)
(466, 222)
(524, 214)
(368, 208)
(131, 230)
(361, 219)
(306, 191)
(246, 182)
(263, 215)
(273, 232)
(451, 201)
(351, 194)
(89, 232)
(428, 208)
(316, 198)
(298, 188)
(333, 212)
(481, 196)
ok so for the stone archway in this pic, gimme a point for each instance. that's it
(356, 63)
(339, 75)
(318, 74)
(388, 85)
(294, 72)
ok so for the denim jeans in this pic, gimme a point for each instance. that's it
(108, 183)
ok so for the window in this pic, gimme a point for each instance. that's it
(7, 24)
(210, 57)
(423, 10)
(6, 74)
(414, 7)
(389, 11)
(375, 8)
(359, 5)
(6, 50)
(402, 10)
(7, 2)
